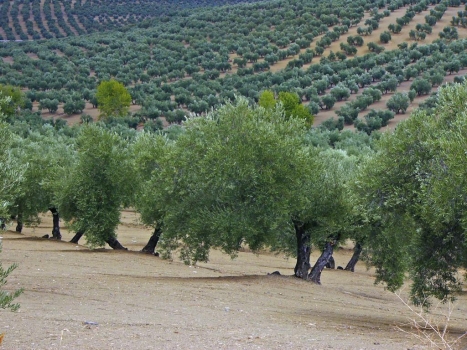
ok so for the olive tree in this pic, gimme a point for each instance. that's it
(96, 187)
(10, 171)
(413, 195)
(242, 175)
(421, 86)
(9, 176)
(226, 181)
(385, 37)
(43, 156)
(399, 102)
(113, 99)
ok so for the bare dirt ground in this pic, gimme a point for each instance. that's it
(77, 298)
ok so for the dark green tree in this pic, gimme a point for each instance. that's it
(411, 193)
(385, 37)
(97, 186)
(398, 103)
(421, 86)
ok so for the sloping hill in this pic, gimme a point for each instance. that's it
(45, 19)
(193, 60)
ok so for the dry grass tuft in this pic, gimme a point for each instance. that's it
(431, 329)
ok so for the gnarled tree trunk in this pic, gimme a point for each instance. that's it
(303, 251)
(112, 242)
(115, 244)
(19, 223)
(150, 247)
(315, 274)
(56, 224)
(331, 263)
(77, 237)
(354, 259)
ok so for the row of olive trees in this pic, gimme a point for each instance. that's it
(255, 175)
(235, 185)
(88, 177)
(413, 196)
(58, 19)
(384, 71)
(134, 58)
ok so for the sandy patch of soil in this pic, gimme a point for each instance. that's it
(76, 298)
(8, 60)
(58, 52)
(32, 56)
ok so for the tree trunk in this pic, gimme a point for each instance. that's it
(150, 247)
(303, 251)
(19, 223)
(115, 244)
(56, 224)
(77, 237)
(356, 255)
(331, 263)
(112, 242)
(315, 274)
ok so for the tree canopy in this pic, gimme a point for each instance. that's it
(237, 184)
(413, 192)
(96, 186)
(291, 104)
(113, 99)
(257, 175)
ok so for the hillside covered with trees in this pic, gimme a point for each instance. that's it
(256, 176)
(342, 62)
(229, 126)
(247, 167)
(26, 20)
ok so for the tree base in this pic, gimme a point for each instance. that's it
(77, 237)
(149, 252)
(115, 244)
(275, 273)
(326, 255)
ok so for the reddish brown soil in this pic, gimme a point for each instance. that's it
(143, 302)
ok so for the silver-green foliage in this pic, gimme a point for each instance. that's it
(97, 185)
(415, 195)
(9, 176)
(6, 298)
(43, 156)
(10, 172)
(241, 175)
(233, 177)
